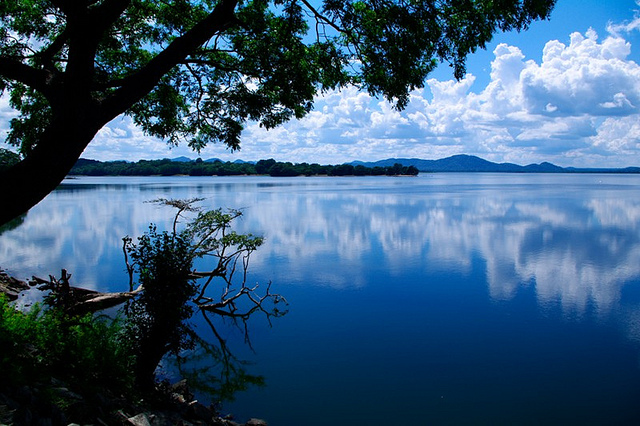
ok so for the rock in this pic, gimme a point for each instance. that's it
(139, 420)
(256, 422)
(198, 411)
(219, 421)
(10, 286)
(181, 391)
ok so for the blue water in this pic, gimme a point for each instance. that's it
(441, 299)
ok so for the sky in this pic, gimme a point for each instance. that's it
(566, 91)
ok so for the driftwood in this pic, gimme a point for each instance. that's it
(94, 301)
(77, 300)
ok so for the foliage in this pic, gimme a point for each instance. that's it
(95, 353)
(8, 158)
(86, 352)
(196, 71)
(158, 319)
(218, 168)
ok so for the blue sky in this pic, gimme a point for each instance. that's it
(566, 91)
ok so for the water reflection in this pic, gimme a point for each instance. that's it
(575, 250)
(574, 238)
(500, 297)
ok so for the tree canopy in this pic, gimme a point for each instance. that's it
(269, 167)
(195, 71)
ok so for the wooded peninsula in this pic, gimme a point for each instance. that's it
(167, 167)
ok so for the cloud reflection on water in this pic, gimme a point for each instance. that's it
(578, 245)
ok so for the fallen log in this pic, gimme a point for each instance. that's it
(78, 300)
(94, 301)
(75, 300)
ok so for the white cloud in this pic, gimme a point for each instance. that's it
(622, 28)
(563, 109)
(585, 77)
(122, 140)
(618, 135)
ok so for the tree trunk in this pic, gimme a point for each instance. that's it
(152, 349)
(30, 181)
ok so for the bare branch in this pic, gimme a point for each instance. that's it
(77, 300)
(181, 205)
(320, 18)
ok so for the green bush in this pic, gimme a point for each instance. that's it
(86, 353)
(156, 319)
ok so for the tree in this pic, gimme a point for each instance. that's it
(283, 170)
(169, 287)
(343, 170)
(263, 166)
(197, 70)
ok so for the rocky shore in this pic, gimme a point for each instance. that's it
(173, 405)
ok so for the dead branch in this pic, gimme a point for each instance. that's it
(227, 305)
(78, 300)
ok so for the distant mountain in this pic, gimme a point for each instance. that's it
(461, 163)
(471, 163)
(213, 160)
(182, 159)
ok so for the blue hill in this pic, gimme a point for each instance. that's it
(471, 163)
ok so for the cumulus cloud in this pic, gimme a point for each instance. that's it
(563, 106)
(585, 77)
(579, 105)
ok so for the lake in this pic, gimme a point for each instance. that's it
(440, 299)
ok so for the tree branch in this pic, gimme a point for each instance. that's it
(77, 300)
(13, 69)
(137, 85)
(107, 12)
(46, 55)
(321, 18)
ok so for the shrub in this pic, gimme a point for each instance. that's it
(156, 319)
(86, 352)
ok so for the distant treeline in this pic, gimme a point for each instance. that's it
(198, 167)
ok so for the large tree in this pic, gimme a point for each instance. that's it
(195, 71)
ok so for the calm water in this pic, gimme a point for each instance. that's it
(442, 299)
